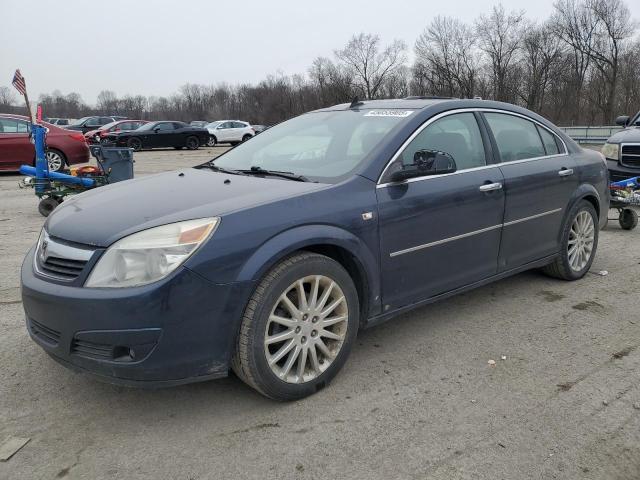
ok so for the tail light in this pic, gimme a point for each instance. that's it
(78, 136)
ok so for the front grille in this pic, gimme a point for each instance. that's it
(63, 267)
(88, 349)
(630, 156)
(60, 259)
(46, 334)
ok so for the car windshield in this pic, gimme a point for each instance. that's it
(213, 124)
(322, 146)
(80, 121)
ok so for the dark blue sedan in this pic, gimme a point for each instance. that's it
(270, 258)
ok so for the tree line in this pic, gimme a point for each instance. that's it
(580, 66)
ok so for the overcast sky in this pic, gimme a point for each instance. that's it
(151, 47)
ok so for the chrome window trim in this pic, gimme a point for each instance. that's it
(474, 232)
(466, 110)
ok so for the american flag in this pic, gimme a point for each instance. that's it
(19, 83)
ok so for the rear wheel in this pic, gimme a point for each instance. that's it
(628, 219)
(246, 137)
(47, 205)
(298, 327)
(192, 143)
(135, 143)
(578, 243)
(55, 160)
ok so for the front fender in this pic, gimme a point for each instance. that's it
(299, 238)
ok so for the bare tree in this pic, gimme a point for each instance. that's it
(371, 66)
(499, 36)
(446, 57)
(7, 97)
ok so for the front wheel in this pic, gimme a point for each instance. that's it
(211, 142)
(135, 143)
(579, 242)
(55, 160)
(298, 327)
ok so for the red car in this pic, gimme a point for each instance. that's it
(96, 136)
(64, 147)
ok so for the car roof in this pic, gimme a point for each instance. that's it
(413, 103)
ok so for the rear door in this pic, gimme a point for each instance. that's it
(15, 147)
(540, 179)
(441, 232)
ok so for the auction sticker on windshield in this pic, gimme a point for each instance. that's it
(388, 113)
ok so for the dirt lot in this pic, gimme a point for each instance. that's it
(417, 398)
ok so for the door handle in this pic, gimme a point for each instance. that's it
(488, 187)
(565, 172)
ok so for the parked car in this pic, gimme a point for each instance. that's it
(229, 131)
(199, 123)
(271, 257)
(161, 135)
(259, 128)
(86, 124)
(96, 136)
(622, 149)
(60, 122)
(63, 147)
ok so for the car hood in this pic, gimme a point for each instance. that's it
(100, 217)
(631, 134)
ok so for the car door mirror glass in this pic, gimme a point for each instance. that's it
(425, 163)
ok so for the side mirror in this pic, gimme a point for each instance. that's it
(426, 162)
(157, 129)
(622, 120)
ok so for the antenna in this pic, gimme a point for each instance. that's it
(356, 102)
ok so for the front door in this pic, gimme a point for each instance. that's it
(163, 135)
(540, 179)
(438, 233)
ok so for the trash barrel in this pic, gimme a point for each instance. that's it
(117, 162)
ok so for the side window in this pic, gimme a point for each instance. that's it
(457, 134)
(163, 127)
(517, 138)
(93, 122)
(549, 141)
(239, 125)
(227, 125)
(8, 125)
(23, 127)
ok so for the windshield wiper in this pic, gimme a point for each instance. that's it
(210, 165)
(275, 173)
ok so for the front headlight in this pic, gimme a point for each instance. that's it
(150, 255)
(611, 150)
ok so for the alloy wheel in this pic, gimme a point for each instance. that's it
(211, 142)
(306, 329)
(581, 240)
(54, 159)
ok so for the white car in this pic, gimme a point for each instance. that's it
(229, 131)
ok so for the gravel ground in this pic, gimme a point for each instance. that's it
(416, 400)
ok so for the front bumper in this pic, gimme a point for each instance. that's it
(619, 172)
(178, 330)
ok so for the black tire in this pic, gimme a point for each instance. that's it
(47, 205)
(628, 219)
(212, 141)
(246, 137)
(250, 361)
(192, 143)
(135, 143)
(560, 268)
